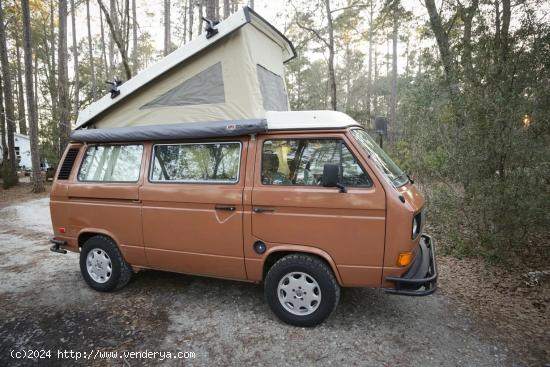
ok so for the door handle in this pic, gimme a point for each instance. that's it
(263, 210)
(225, 207)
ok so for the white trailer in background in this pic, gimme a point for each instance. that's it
(22, 151)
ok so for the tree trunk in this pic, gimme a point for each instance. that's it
(467, 16)
(134, 38)
(21, 116)
(331, 74)
(251, 4)
(52, 35)
(210, 9)
(184, 11)
(37, 182)
(10, 173)
(393, 103)
(113, 17)
(118, 41)
(3, 142)
(502, 34)
(75, 63)
(103, 47)
(52, 80)
(191, 13)
(442, 39)
(35, 72)
(388, 58)
(91, 52)
(226, 9)
(376, 76)
(347, 76)
(167, 40)
(369, 80)
(63, 78)
(125, 32)
(200, 4)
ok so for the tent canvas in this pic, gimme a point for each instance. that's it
(236, 74)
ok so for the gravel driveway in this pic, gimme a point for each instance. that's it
(45, 305)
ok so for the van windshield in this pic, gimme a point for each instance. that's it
(384, 163)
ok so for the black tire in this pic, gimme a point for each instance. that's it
(120, 273)
(316, 269)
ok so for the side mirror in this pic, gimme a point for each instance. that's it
(331, 175)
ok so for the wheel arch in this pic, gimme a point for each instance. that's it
(87, 233)
(276, 253)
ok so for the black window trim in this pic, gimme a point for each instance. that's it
(88, 147)
(342, 143)
(197, 182)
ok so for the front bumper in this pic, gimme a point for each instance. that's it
(421, 278)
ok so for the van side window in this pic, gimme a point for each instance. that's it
(191, 163)
(111, 163)
(301, 162)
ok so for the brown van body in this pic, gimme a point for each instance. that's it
(186, 227)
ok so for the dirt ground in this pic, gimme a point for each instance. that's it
(45, 305)
(21, 192)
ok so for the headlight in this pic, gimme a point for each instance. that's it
(416, 224)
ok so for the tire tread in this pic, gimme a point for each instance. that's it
(307, 261)
(125, 269)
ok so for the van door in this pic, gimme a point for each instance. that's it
(290, 206)
(103, 198)
(193, 208)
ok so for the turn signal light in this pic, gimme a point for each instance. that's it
(405, 258)
(61, 229)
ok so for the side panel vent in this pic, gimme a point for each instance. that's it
(67, 166)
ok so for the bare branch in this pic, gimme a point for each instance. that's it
(117, 40)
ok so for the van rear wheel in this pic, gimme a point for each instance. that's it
(301, 290)
(102, 265)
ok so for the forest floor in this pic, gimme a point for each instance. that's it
(481, 315)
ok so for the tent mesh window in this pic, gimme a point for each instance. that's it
(204, 88)
(273, 90)
(67, 166)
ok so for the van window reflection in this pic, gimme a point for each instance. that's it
(300, 162)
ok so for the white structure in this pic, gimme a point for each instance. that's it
(22, 150)
(232, 71)
(308, 120)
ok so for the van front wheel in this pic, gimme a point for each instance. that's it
(102, 264)
(301, 290)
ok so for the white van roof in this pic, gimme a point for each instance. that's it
(274, 121)
(294, 120)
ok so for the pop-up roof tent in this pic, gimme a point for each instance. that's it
(233, 75)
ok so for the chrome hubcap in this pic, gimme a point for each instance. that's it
(299, 293)
(99, 265)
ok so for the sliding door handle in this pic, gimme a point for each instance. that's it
(263, 210)
(226, 208)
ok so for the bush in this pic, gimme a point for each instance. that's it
(487, 173)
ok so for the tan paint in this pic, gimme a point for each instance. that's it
(176, 227)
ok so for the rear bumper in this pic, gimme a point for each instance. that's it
(57, 245)
(421, 278)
